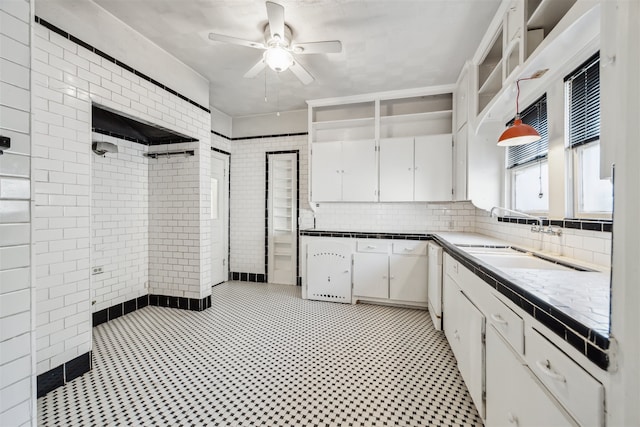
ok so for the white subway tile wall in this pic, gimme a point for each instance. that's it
(590, 246)
(399, 217)
(67, 79)
(16, 327)
(119, 223)
(248, 189)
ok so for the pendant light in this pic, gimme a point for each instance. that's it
(520, 133)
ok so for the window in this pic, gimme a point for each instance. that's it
(592, 196)
(527, 164)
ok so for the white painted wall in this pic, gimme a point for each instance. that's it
(119, 223)
(68, 78)
(270, 124)
(94, 25)
(221, 122)
(17, 329)
(248, 169)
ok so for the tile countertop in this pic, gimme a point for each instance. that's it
(574, 304)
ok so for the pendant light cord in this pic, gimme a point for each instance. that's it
(518, 94)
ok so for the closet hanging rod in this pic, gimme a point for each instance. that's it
(170, 153)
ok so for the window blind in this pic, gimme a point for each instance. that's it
(535, 116)
(584, 102)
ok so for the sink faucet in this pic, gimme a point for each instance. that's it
(534, 228)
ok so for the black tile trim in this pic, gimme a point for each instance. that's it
(143, 142)
(192, 304)
(590, 342)
(217, 150)
(248, 277)
(117, 310)
(60, 375)
(109, 58)
(366, 235)
(603, 225)
(242, 138)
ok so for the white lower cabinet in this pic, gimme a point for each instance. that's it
(464, 328)
(371, 275)
(394, 271)
(527, 379)
(514, 395)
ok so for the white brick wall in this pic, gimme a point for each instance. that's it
(68, 79)
(17, 403)
(248, 197)
(119, 223)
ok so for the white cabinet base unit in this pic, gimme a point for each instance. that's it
(329, 271)
(514, 396)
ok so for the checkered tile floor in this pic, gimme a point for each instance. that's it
(262, 356)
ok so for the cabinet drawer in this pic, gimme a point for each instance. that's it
(507, 323)
(451, 267)
(409, 247)
(575, 388)
(373, 246)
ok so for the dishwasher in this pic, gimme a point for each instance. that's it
(434, 284)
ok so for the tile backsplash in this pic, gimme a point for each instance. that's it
(400, 217)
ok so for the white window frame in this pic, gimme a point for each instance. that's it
(575, 184)
(512, 184)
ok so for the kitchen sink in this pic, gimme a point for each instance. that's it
(510, 258)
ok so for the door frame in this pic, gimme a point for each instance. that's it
(226, 158)
(266, 216)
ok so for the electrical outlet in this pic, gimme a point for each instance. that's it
(97, 270)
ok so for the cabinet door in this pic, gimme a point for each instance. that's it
(360, 174)
(326, 167)
(370, 275)
(461, 99)
(470, 355)
(408, 278)
(396, 170)
(433, 168)
(514, 396)
(460, 165)
(450, 316)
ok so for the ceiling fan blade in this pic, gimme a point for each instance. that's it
(275, 14)
(255, 69)
(234, 40)
(300, 72)
(330, 46)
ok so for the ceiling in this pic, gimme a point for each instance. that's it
(387, 45)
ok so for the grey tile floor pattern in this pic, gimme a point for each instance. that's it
(262, 356)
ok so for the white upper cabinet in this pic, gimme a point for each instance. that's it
(357, 142)
(344, 171)
(396, 170)
(416, 169)
(433, 163)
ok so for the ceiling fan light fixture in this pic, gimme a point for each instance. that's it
(278, 58)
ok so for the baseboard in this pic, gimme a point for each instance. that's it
(60, 375)
(248, 277)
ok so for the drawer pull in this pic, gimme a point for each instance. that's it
(407, 249)
(498, 319)
(346, 271)
(545, 367)
(512, 418)
(456, 335)
(371, 247)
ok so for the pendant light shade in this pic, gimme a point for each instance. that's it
(518, 134)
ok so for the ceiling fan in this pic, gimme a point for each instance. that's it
(279, 51)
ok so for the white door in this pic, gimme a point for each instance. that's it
(371, 275)
(433, 168)
(396, 170)
(219, 217)
(326, 172)
(360, 176)
(282, 238)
